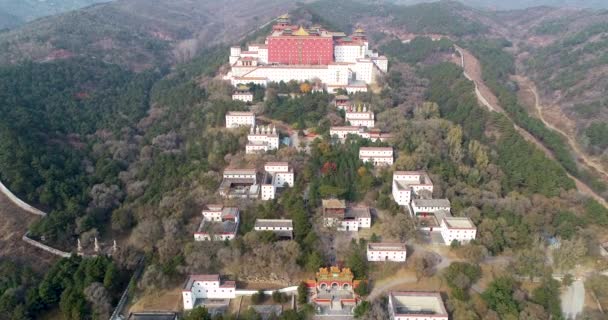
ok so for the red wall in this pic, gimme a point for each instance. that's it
(300, 50)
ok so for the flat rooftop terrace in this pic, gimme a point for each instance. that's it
(418, 303)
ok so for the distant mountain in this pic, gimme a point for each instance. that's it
(17, 12)
(138, 34)
(8, 21)
(522, 4)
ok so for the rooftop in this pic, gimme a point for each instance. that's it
(153, 315)
(459, 222)
(396, 246)
(431, 202)
(334, 203)
(273, 223)
(239, 171)
(200, 277)
(224, 227)
(417, 303)
(357, 212)
(376, 149)
(240, 113)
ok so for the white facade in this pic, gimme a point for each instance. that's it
(268, 192)
(377, 156)
(218, 213)
(262, 139)
(230, 173)
(281, 227)
(360, 118)
(407, 182)
(395, 252)
(237, 119)
(206, 287)
(430, 205)
(460, 229)
(342, 132)
(353, 219)
(416, 306)
(244, 96)
(281, 173)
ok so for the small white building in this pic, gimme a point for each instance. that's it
(336, 214)
(282, 227)
(415, 305)
(262, 139)
(343, 132)
(242, 95)
(461, 229)
(277, 175)
(281, 172)
(219, 213)
(396, 252)
(359, 117)
(426, 206)
(406, 183)
(212, 229)
(235, 119)
(379, 156)
(199, 288)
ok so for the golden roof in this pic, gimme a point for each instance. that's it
(301, 32)
(285, 16)
(359, 30)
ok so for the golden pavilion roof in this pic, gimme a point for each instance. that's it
(301, 32)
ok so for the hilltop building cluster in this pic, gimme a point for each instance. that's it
(414, 190)
(293, 52)
(337, 214)
(360, 121)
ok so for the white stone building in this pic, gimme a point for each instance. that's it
(461, 229)
(277, 175)
(212, 229)
(239, 183)
(262, 139)
(236, 119)
(343, 132)
(199, 288)
(219, 213)
(353, 65)
(360, 117)
(408, 183)
(426, 206)
(242, 95)
(336, 214)
(282, 227)
(414, 305)
(395, 252)
(379, 156)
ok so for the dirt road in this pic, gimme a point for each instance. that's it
(14, 222)
(526, 84)
(472, 71)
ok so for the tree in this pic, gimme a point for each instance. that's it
(258, 297)
(302, 293)
(401, 228)
(530, 262)
(198, 313)
(361, 309)
(424, 265)
(305, 87)
(460, 277)
(499, 296)
(548, 296)
(362, 289)
(279, 297)
(569, 253)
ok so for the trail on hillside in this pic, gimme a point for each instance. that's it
(526, 83)
(472, 71)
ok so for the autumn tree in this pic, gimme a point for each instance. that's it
(569, 254)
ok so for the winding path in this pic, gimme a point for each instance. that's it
(472, 71)
(530, 86)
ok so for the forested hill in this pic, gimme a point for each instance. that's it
(522, 4)
(23, 11)
(137, 34)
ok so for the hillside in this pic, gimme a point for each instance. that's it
(137, 34)
(28, 10)
(521, 4)
(564, 52)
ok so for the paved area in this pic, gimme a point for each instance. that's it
(573, 300)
